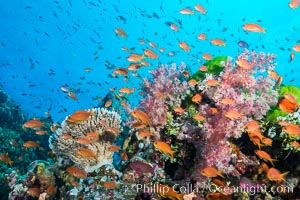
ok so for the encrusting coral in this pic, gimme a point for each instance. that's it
(90, 155)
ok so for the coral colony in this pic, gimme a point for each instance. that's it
(228, 131)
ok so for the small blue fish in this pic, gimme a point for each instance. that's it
(243, 44)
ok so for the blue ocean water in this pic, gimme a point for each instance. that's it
(48, 44)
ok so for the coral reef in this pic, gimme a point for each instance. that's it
(11, 115)
(230, 125)
(92, 154)
(164, 90)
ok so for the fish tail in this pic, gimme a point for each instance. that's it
(283, 176)
(179, 196)
(272, 162)
(264, 30)
(220, 174)
(92, 112)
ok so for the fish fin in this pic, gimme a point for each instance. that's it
(220, 174)
(283, 175)
(272, 162)
(172, 158)
(92, 112)
(179, 196)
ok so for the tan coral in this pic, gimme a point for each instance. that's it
(67, 148)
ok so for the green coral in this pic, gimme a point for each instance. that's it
(290, 89)
(172, 128)
(214, 67)
(275, 112)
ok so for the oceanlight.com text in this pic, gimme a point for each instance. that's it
(189, 188)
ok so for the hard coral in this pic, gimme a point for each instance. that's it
(68, 148)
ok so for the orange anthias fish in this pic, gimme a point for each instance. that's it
(134, 66)
(66, 136)
(76, 172)
(120, 71)
(292, 56)
(33, 124)
(199, 117)
(252, 27)
(186, 11)
(79, 116)
(233, 115)
(40, 132)
(202, 68)
(109, 185)
(295, 144)
(144, 133)
(72, 96)
(150, 54)
(217, 196)
(142, 117)
(213, 111)
(288, 103)
(179, 110)
(162, 49)
(152, 44)
(244, 64)
(290, 98)
(292, 129)
(256, 141)
(218, 42)
(186, 74)
(202, 36)
(212, 82)
(135, 57)
(183, 45)
(294, 4)
(211, 172)
(145, 63)
(267, 141)
(206, 56)
(113, 148)
(192, 82)
(227, 101)
(278, 82)
(252, 126)
(127, 90)
(200, 9)
(166, 191)
(30, 144)
(164, 148)
(86, 153)
(120, 32)
(257, 133)
(84, 140)
(274, 75)
(197, 98)
(6, 159)
(275, 175)
(264, 156)
(94, 136)
(296, 47)
(174, 27)
(115, 131)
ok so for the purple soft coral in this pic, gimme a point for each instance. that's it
(166, 89)
(252, 95)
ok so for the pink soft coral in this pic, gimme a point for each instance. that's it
(163, 91)
(252, 94)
